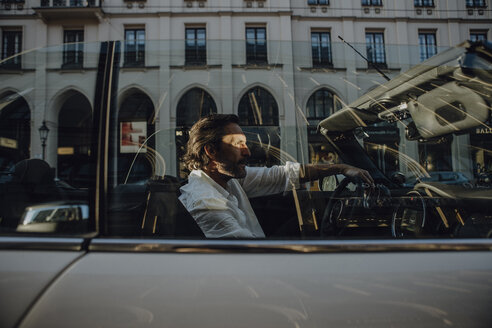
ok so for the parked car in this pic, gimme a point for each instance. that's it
(120, 250)
(446, 177)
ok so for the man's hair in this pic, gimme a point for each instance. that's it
(208, 130)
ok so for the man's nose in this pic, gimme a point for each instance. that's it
(245, 151)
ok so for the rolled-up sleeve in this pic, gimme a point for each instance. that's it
(220, 224)
(260, 181)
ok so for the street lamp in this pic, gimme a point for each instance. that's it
(43, 135)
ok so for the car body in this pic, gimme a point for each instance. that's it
(128, 254)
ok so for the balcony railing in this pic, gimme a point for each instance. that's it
(69, 3)
(59, 10)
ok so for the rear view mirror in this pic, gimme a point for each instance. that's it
(360, 133)
(398, 178)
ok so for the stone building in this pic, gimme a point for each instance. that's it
(280, 65)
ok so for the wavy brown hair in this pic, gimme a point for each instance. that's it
(208, 130)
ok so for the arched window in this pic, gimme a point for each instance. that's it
(322, 104)
(136, 120)
(15, 130)
(258, 117)
(258, 107)
(193, 105)
(74, 140)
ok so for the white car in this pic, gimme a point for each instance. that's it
(112, 246)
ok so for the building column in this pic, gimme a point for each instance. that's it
(461, 155)
(454, 37)
(351, 58)
(225, 45)
(287, 115)
(165, 117)
(404, 50)
(40, 111)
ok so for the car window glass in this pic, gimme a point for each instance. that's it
(431, 166)
(409, 172)
(46, 128)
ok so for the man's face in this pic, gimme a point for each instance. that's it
(233, 153)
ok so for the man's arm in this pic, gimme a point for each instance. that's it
(261, 181)
(220, 224)
(311, 172)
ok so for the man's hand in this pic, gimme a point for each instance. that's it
(355, 172)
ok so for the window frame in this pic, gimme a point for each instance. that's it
(374, 3)
(323, 58)
(318, 2)
(255, 56)
(425, 47)
(136, 57)
(195, 55)
(12, 39)
(380, 48)
(73, 51)
(424, 4)
(476, 4)
(478, 33)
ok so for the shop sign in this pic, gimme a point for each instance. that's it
(8, 143)
(483, 131)
(65, 151)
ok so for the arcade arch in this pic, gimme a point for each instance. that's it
(136, 123)
(193, 104)
(74, 139)
(321, 103)
(15, 130)
(259, 118)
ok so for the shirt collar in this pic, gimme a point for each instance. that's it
(201, 175)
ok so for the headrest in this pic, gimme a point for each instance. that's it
(33, 171)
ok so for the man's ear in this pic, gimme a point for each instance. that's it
(210, 151)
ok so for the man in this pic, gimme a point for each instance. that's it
(220, 184)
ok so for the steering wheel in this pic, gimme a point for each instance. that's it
(336, 206)
(408, 220)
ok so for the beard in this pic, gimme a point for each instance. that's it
(234, 170)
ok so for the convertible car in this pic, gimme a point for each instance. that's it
(92, 232)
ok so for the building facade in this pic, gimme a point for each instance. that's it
(279, 65)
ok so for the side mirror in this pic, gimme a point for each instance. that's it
(55, 217)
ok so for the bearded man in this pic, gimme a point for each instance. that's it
(220, 183)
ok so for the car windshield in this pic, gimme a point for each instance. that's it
(107, 136)
(421, 127)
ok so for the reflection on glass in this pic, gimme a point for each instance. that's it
(427, 139)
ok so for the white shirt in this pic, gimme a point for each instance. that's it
(227, 213)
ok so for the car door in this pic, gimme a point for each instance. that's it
(142, 262)
(46, 216)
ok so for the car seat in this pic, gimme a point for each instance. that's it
(151, 210)
(165, 215)
(33, 183)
